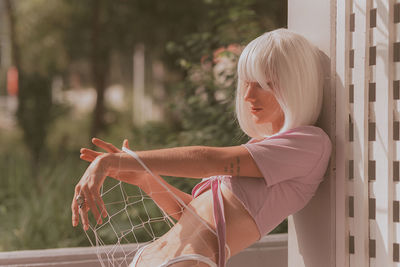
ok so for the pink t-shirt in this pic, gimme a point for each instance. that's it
(293, 164)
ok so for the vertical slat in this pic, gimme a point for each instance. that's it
(393, 182)
(344, 164)
(360, 81)
(383, 148)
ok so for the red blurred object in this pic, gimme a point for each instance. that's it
(232, 48)
(12, 81)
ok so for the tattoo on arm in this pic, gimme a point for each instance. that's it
(238, 166)
(232, 168)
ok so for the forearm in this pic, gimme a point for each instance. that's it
(165, 199)
(191, 161)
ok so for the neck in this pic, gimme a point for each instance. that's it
(277, 124)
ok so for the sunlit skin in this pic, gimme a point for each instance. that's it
(187, 236)
(263, 105)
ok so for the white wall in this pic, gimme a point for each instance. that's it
(312, 230)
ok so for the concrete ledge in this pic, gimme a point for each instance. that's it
(271, 250)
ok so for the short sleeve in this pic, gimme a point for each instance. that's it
(290, 155)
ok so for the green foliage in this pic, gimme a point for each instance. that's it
(204, 101)
(35, 213)
(55, 38)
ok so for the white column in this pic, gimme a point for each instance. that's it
(312, 230)
(359, 227)
(342, 132)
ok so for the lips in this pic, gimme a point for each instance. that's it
(255, 110)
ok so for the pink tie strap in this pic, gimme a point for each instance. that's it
(219, 216)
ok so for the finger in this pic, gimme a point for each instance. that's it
(86, 157)
(100, 203)
(91, 204)
(104, 145)
(83, 211)
(75, 212)
(90, 152)
(125, 143)
(74, 206)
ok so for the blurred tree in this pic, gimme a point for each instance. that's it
(55, 34)
(34, 97)
(13, 35)
(34, 114)
(58, 33)
(100, 59)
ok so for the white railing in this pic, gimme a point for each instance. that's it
(269, 251)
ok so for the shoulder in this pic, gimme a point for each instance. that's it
(303, 132)
(293, 153)
(311, 138)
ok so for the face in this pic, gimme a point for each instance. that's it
(263, 105)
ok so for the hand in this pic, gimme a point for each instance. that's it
(131, 177)
(88, 189)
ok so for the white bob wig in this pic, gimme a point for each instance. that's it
(292, 65)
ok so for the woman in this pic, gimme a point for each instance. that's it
(252, 187)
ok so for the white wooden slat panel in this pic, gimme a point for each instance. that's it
(395, 71)
(360, 40)
(351, 225)
(372, 263)
(396, 29)
(396, 186)
(365, 240)
(396, 114)
(350, 188)
(397, 234)
(383, 224)
(343, 150)
(397, 64)
(372, 190)
(372, 118)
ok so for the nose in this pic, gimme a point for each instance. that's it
(250, 93)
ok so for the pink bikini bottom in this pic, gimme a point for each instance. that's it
(187, 257)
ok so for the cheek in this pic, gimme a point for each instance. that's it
(270, 103)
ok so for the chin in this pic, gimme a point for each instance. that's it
(260, 121)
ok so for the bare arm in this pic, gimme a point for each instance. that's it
(164, 199)
(145, 181)
(191, 161)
